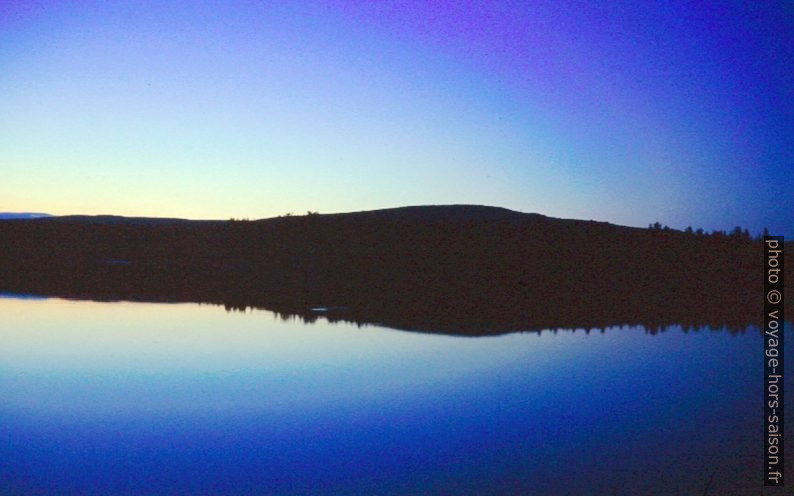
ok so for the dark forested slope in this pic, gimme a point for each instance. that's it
(456, 268)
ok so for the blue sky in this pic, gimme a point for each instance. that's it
(631, 112)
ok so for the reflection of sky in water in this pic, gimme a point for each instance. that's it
(129, 398)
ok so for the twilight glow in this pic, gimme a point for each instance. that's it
(626, 112)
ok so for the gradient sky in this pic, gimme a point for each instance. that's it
(629, 112)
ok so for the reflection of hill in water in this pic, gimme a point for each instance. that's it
(458, 269)
(462, 327)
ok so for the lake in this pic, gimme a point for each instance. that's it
(152, 398)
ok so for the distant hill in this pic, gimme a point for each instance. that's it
(118, 219)
(453, 268)
(22, 215)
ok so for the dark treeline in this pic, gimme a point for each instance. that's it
(460, 269)
(736, 234)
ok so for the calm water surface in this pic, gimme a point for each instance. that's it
(133, 398)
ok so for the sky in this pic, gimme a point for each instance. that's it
(628, 112)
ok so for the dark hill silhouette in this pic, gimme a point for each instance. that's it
(460, 268)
